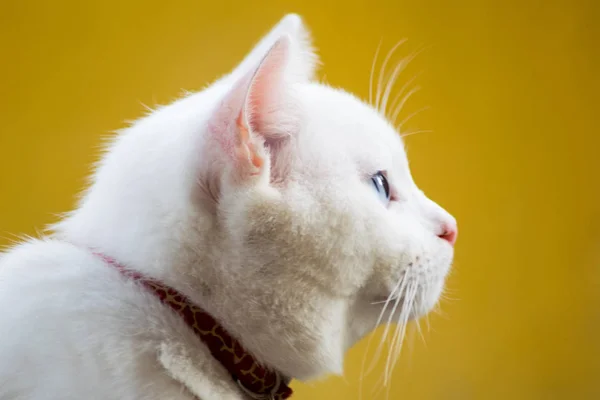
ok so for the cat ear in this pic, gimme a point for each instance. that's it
(255, 120)
(292, 25)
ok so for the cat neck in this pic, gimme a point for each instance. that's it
(260, 382)
(179, 259)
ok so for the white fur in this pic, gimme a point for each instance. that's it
(289, 256)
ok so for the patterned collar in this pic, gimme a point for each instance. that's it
(255, 380)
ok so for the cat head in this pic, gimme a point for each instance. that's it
(283, 206)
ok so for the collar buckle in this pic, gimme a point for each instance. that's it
(261, 396)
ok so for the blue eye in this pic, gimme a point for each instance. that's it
(381, 185)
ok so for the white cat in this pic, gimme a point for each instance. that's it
(282, 207)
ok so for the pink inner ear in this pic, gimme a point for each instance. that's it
(264, 109)
(247, 146)
(257, 114)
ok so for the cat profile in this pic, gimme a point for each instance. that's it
(278, 208)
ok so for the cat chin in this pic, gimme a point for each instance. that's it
(430, 299)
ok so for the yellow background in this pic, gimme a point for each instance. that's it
(513, 93)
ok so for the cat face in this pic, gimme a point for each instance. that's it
(284, 207)
(347, 220)
(317, 199)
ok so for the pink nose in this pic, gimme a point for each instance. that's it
(449, 233)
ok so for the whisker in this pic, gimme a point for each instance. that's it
(378, 387)
(415, 132)
(447, 298)
(381, 314)
(403, 317)
(399, 333)
(390, 355)
(390, 84)
(394, 76)
(398, 340)
(418, 325)
(400, 106)
(440, 312)
(383, 338)
(405, 120)
(384, 301)
(373, 71)
(398, 296)
(450, 289)
(382, 73)
(403, 89)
